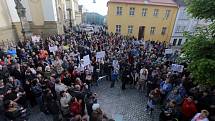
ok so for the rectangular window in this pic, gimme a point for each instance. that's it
(183, 28)
(174, 42)
(177, 30)
(130, 29)
(163, 32)
(152, 31)
(155, 12)
(179, 42)
(118, 28)
(119, 11)
(131, 11)
(167, 14)
(180, 29)
(144, 11)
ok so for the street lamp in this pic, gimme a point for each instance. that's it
(21, 13)
(70, 16)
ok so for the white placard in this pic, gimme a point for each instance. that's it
(35, 38)
(177, 68)
(53, 49)
(86, 60)
(100, 55)
(168, 51)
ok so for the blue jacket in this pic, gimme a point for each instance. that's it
(166, 87)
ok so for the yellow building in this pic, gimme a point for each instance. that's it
(148, 19)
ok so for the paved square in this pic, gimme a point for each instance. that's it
(129, 103)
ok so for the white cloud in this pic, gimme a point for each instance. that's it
(99, 7)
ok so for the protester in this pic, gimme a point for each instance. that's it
(201, 116)
(188, 109)
(52, 71)
(154, 98)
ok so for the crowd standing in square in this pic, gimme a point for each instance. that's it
(58, 81)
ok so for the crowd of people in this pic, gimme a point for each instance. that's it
(58, 81)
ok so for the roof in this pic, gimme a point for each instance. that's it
(180, 2)
(150, 2)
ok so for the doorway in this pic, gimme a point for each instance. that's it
(141, 32)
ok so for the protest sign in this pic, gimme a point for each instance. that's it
(177, 68)
(35, 38)
(168, 51)
(53, 49)
(100, 55)
(86, 60)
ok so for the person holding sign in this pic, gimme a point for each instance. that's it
(115, 72)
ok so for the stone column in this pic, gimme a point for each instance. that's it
(25, 27)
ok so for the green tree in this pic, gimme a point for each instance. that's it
(200, 48)
(200, 51)
(201, 9)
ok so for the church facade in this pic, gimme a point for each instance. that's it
(42, 17)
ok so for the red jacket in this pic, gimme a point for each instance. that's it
(75, 108)
(188, 108)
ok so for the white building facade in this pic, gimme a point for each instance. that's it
(42, 16)
(184, 23)
(76, 12)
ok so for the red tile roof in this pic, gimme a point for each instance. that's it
(150, 2)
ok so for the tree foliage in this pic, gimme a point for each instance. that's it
(200, 48)
(200, 51)
(201, 9)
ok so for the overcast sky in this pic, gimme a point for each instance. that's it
(99, 7)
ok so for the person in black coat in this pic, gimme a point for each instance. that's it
(125, 77)
(80, 95)
(50, 103)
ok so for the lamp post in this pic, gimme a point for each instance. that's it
(70, 16)
(21, 13)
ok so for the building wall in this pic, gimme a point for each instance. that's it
(13, 13)
(44, 16)
(36, 12)
(184, 22)
(138, 20)
(78, 17)
(49, 10)
(70, 4)
(28, 9)
(7, 33)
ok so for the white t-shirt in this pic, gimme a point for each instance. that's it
(196, 118)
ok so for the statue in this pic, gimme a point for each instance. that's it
(20, 8)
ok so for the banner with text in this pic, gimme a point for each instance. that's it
(177, 68)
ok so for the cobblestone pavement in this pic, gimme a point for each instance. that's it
(128, 104)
